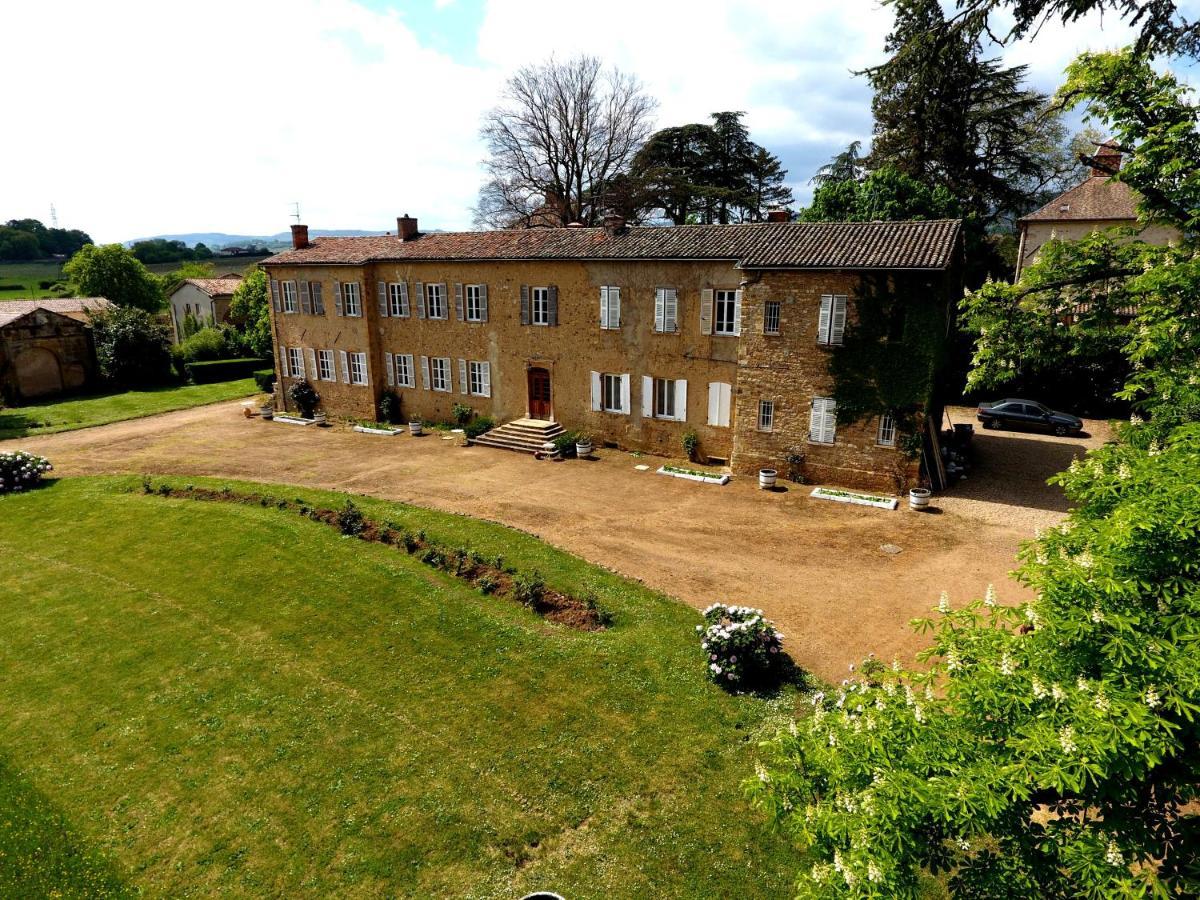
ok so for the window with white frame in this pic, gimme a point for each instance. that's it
(831, 322)
(289, 296)
(318, 304)
(610, 308)
(474, 302)
(406, 375)
(666, 310)
(822, 424)
(539, 306)
(296, 362)
(766, 415)
(610, 397)
(725, 312)
(435, 302)
(480, 376)
(887, 431)
(358, 368)
(351, 299)
(398, 300)
(325, 365)
(771, 317)
(440, 373)
(664, 398)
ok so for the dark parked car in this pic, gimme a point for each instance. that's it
(1027, 414)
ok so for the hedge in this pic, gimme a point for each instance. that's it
(265, 379)
(212, 370)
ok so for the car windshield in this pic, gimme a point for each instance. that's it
(1042, 409)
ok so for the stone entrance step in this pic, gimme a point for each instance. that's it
(521, 435)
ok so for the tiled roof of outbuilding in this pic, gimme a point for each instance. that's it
(792, 245)
(216, 287)
(72, 307)
(1096, 199)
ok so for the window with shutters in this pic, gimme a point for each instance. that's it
(766, 415)
(358, 368)
(720, 395)
(725, 312)
(397, 300)
(539, 306)
(351, 299)
(435, 302)
(439, 373)
(318, 302)
(296, 362)
(771, 317)
(406, 375)
(831, 321)
(887, 431)
(474, 302)
(289, 296)
(480, 378)
(610, 398)
(664, 398)
(610, 308)
(822, 425)
(666, 310)
(325, 365)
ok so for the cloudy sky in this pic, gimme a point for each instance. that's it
(140, 118)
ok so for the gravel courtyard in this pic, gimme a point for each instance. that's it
(816, 567)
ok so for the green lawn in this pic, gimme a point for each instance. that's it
(219, 699)
(28, 275)
(83, 412)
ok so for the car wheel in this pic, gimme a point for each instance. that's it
(1060, 430)
(991, 423)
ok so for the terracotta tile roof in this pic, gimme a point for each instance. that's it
(823, 245)
(72, 307)
(1097, 198)
(216, 287)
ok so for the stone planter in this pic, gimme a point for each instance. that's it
(414, 428)
(583, 449)
(918, 499)
(766, 479)
(267, 412)
(550, 451)
(385, 432)
(319, 418)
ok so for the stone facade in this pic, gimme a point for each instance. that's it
(1033, 234)
(43, 353)
(790, 368)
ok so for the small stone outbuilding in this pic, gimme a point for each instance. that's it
(206, 300)
(46, 347)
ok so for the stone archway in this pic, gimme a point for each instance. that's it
(38, 372)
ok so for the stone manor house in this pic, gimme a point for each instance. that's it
(635, 335)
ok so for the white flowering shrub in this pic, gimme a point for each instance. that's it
(744, 650)
(20, 471)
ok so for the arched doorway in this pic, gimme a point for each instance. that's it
(38, 372)
(539, 393)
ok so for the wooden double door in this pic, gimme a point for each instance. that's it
(539, 393)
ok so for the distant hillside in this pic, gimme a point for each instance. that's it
(217, 239)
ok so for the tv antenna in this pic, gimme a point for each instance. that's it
(296, 211)
(53, 216)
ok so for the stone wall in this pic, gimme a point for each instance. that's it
(45, 353)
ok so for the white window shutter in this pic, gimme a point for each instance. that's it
(458, 301)
(382, 298)
(625, 394)
(483, 315)
(830, 424)
(647, 397)
(463, 386)
(815, 418)
(404, 299)
(344, 358)
(714, 403)
(305, 299)
(391, 371)
(614, 307)
(420, 300)
(672, 311)
(659, 309)
(604, 306)
(837, 328)
(706, 311)
(337, 298)
(680, 399)
(283, 355)
(596, 392)
(737, 312)
(726, 396)
(425, 372)
(312, 363)
(823, 319)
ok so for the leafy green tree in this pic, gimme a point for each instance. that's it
(885, 194)
(848, 165)
(171, 281)
(133, 349)
(201, 251)
(18, 244)
(671, 170)
(252, 309)
(1050, 749)
(112, 271)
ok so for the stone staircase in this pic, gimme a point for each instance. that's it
(522, 435)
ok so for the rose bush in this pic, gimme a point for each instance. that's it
(744, 649)
(20, 471)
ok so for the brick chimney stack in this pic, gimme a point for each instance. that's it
(614, 224)
(1107, 161)
(299, 237)
(778, 215)
(406, 227)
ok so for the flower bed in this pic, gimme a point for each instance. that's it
(693, 475)
(376, 428)
(20, 471)
(744, 649)
(857, 499)
(293, 420)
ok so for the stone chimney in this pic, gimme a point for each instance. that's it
(1107, 161)
(406, 227)
(299, 237)
(778, 215)
(614, 224)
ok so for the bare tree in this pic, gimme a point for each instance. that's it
(561, 134)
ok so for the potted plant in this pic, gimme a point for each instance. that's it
(583, 445)
(918, 499)
(305, 398)
(414, 428)
(267, 411)
(766, 479)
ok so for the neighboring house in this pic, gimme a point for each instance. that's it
(635, 335)
(205, 299)
(1097, 203)
(46, 346)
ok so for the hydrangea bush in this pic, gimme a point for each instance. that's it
(743, 648)
(20, 471)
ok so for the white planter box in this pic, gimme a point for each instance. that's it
(857, 499)
(706, 479)
(294, 420)
(388, 432)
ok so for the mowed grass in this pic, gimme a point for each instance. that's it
(28, 275)
(101, 409)
(222, 699)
